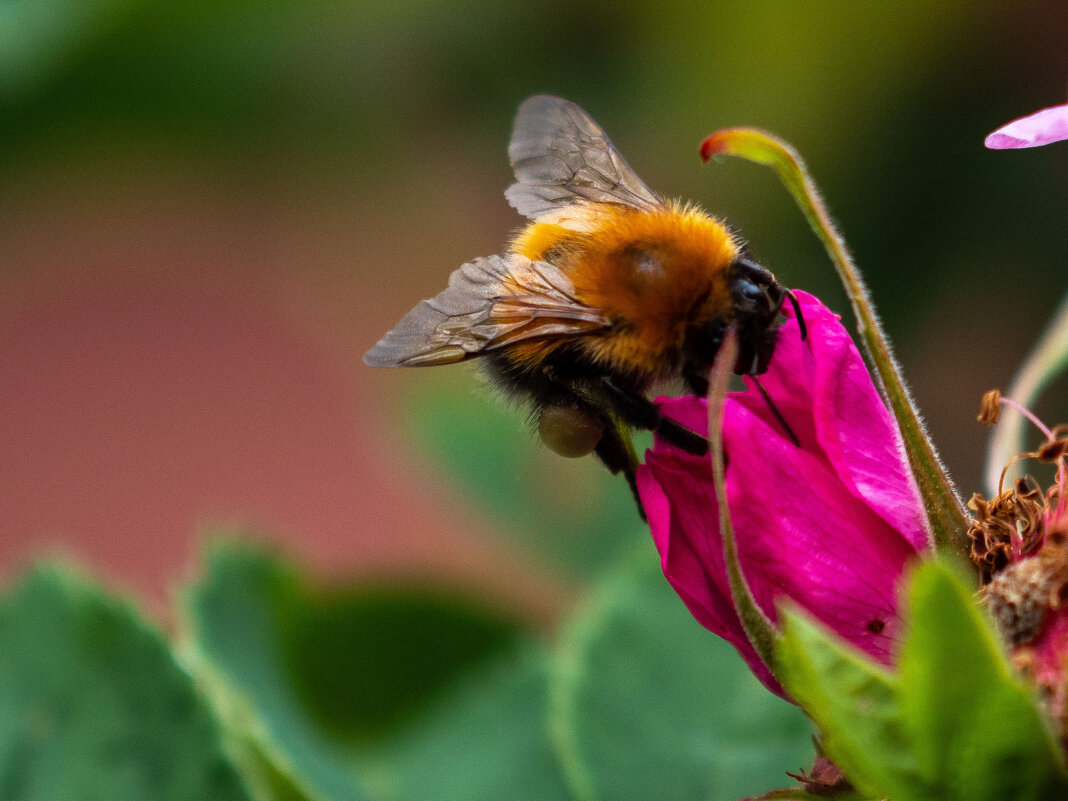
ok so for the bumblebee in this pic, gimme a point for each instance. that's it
(609, 290)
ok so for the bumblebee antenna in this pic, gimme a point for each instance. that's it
(775, 411)
(797, 312)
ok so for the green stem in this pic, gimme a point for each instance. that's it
(945, 512)
(758, 628)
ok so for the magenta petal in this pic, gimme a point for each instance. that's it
(688, 410)
(830, 524)
(824, 391)
(1041, 128)
(684, 521)
(691, 555)
(789, 377)
(859, 435)
(802, 534)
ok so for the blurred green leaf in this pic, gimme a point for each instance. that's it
(376, 694)
(37, 39)
(570, 511)
(977, 733)
(398, 647)
(94, 706)
(487, 741)
(234, 614)
(647, 704)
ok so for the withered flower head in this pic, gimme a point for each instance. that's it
(1020, 544)
(1009, 520)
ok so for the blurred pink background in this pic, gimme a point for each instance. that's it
(180, 363)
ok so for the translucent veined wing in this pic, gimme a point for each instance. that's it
(490, 302)
(565, 165)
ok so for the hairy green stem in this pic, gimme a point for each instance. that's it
(945, 512)
(760, 631)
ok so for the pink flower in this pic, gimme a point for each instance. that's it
(1040, 128)
(830, 524)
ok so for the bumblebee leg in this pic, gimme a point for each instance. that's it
(619, 458)
(615, 448)
(641, 412)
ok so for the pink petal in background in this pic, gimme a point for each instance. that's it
(1041, 128)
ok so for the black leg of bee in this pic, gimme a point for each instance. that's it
(613, 452)
(640, 412)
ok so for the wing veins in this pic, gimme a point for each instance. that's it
(489, 303)
(565, 165)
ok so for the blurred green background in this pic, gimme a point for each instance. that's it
(324, 165)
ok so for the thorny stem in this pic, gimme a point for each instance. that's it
(945, 511)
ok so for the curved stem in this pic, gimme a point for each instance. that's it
(758, 628)
(945, 511)
(1044, 363)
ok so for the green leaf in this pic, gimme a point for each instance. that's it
(94, 705)
(234, 615)
(487, 740)
(854, 703)
(570, 512)
(977, 732)
(953, 725)
(647, 704)
(37, 38)
(375, 694)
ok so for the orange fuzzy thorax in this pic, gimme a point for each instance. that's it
(654, 274)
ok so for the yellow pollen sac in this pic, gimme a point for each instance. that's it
(569, 431)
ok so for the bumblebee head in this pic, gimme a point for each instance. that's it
(757, 299)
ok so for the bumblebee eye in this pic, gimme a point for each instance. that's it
(749, 291)
(751, 296)
(569, 431)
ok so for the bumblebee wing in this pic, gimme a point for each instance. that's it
(490, 303)
(565, 165)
